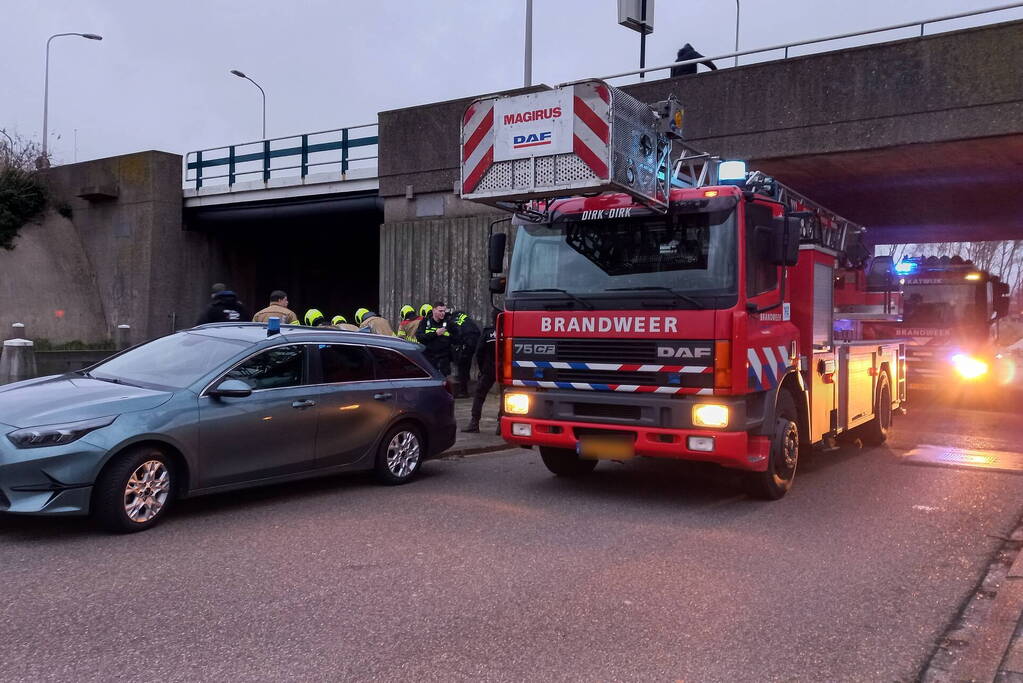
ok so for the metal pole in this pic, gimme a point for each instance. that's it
(642, 38)
(46, 83)
(736, 32)
(527, 77)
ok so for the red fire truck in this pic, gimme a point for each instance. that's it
(950, 308)
(670, 306)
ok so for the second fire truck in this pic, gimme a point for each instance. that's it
(662, 305)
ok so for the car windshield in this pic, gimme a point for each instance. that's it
(946, 304)
(691, 254)
(172, 362)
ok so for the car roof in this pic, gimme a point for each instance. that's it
(256, 332)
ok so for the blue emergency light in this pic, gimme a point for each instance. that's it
(732, 173)
(905, 267)
(273, 326)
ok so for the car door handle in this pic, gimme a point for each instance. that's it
(303, 404)
(383, 397)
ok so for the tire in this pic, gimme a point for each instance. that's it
(134, 492)
(776, 480)
(400, 455)
(566, 463)
(876, 432)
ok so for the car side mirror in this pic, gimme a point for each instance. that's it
(495, 253)
(788, 230)
(230, 388)
(498, 284)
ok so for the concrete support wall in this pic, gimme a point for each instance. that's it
(121, 257)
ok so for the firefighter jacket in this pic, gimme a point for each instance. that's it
(376, 325)
(407, 328)
(286, 315)
(347, 327)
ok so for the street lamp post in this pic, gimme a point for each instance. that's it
(46, 82)
(239, 74)
(527, 62)
(736, 32)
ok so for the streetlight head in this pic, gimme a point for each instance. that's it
(91, 36)
(238, 73)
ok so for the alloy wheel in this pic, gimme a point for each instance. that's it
(403, 454)
(146, 492)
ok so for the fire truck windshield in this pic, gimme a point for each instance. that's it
(950, 303)
(680, 256)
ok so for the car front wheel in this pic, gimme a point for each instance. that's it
(134, 492)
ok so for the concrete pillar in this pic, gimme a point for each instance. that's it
(122, 338)
(18, 361)
(18, 331)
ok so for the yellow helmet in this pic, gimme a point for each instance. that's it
(360, 315)
(338, 319)
(407, 312)
(425, 309)
(311, 316)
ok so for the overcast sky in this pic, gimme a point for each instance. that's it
(159, 79)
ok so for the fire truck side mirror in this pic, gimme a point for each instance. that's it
(1001, 302)
(495, 254)
(785, 248)
(498, 284)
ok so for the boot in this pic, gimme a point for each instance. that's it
(473, 427)
(497, 430)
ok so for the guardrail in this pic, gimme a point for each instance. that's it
(265, 159)
(786, 46)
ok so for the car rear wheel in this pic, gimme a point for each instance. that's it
(134, 492)
(400, 455)
(566, 463)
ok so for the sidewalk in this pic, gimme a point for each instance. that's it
(486, 440)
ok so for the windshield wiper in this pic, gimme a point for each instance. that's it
(652, 288)
(570, 295)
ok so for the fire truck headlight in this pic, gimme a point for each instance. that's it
(710, 415)
(969, 367)
(516, 404)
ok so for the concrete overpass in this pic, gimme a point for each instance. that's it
(920, 139)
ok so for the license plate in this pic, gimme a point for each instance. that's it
(606, 448)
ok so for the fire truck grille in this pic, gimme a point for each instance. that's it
(629, 351)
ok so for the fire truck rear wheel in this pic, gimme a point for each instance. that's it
(566, 463)
(776, 480)
(875, 432)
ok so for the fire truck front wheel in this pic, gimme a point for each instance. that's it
(774, 482)
(565, 463)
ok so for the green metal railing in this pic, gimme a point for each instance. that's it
(278, 157)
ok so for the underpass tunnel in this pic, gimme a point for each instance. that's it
(324, 253)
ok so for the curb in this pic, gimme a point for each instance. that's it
(478, 450)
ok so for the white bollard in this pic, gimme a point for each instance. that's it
(18, 361)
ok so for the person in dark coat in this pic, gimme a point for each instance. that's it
(686, 53)
(463, 348)
(435, 335)
(224, 308)
(486, 354)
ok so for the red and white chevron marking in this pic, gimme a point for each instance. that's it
(591, 131)
(477, 143)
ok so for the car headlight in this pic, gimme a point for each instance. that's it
(969, 367)
(56, 435)
(710, 415)
(516, 404)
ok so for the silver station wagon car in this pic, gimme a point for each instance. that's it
(216, 408)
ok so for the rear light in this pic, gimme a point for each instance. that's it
(722, 364)
(449, 386)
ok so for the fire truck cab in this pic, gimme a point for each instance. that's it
(683, 310)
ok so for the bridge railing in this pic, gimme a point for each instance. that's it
(920, 25)
(339, 150)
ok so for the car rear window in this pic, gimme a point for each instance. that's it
(345, 363)
(393, 365)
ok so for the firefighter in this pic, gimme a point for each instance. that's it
(314, 318)
(278, 308)
(368, 321)
(486, 353)
(466, 338)
(424, 310)
(433, 333)
(224, 308)
(409, 323)
(341, 323)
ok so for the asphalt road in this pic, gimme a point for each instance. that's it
(489, 568)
